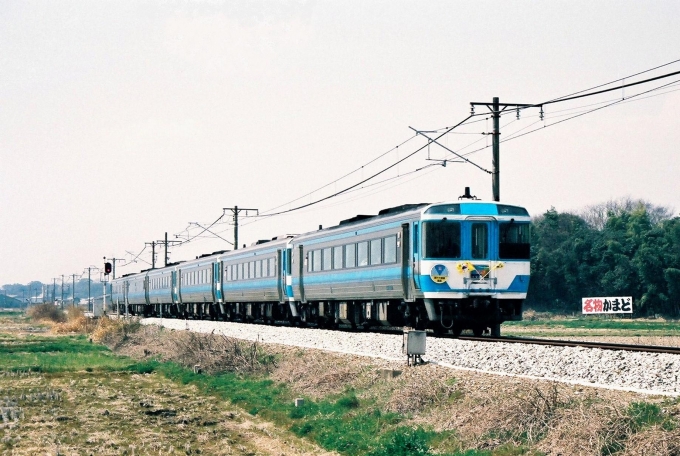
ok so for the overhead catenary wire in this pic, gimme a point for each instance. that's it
(362, 181)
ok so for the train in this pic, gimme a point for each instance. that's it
(445, 267)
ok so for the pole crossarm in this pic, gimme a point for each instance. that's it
(165, 242)
(235, 211)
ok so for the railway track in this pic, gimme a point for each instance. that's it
(576, 343)
(524, 340)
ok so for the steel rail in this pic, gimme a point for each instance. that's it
(577, 343)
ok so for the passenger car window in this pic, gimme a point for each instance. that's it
(376, 251)
(337, 257)
(390, 249)
(362, 253)
(316, 254)
(327, 259)
(350, 255)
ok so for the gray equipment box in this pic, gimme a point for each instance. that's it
(414, 342)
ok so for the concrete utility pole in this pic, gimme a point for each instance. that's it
(495, 108)
(153, 253)
(165, 242)
(235, 211)
(73, 294)
(89, 287)
(62, 292)
(54, 290)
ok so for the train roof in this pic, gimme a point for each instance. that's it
(471, 208)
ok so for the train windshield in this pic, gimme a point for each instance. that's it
(514, 241)
(441, 239)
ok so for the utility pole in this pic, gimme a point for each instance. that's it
(153, 253)
(73, 294)
(62, 292)
(235, 211)
(496, 111)
(165, 242)
(89, 288)
(54, 290)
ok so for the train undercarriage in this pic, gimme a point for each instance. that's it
(447, 316)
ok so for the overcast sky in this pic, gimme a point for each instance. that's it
(120, 121)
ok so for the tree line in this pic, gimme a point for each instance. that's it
(620, 248)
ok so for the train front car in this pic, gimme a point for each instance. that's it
(471, 264)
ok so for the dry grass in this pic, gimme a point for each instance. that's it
(47, 312)
(76, 322)
(484, 412)
(211, 353)
(316, 374)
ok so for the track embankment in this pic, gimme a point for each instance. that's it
(644, 372)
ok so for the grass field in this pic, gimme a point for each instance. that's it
(637, 331)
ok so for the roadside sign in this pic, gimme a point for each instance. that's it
(608, 305)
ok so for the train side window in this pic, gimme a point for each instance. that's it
(316, 260)
(350, 255)
(337, 257)
(258, 269)
(362, 253)
(309, 261)
(376, 251)
(480, 241)
(327, 259)
(241, 271)
(390, 249)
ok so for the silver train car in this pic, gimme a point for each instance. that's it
(447, 267)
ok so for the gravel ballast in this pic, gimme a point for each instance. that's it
(652, 373)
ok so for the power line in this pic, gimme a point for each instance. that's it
(617, 80)
(364, 180)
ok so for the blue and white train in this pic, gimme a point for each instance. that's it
(447, 267)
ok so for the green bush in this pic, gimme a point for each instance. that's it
(404, 441)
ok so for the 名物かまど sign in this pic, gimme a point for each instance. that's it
(607, 305)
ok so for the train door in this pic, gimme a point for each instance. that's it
(416, 255)
(217, 281)
(280, 277)
(175, 287)
(146, 290)
(301, 252)
(479, 235)
(406, 262)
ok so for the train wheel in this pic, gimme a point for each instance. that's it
(496, 330)
(478, 331)
(457, 331)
